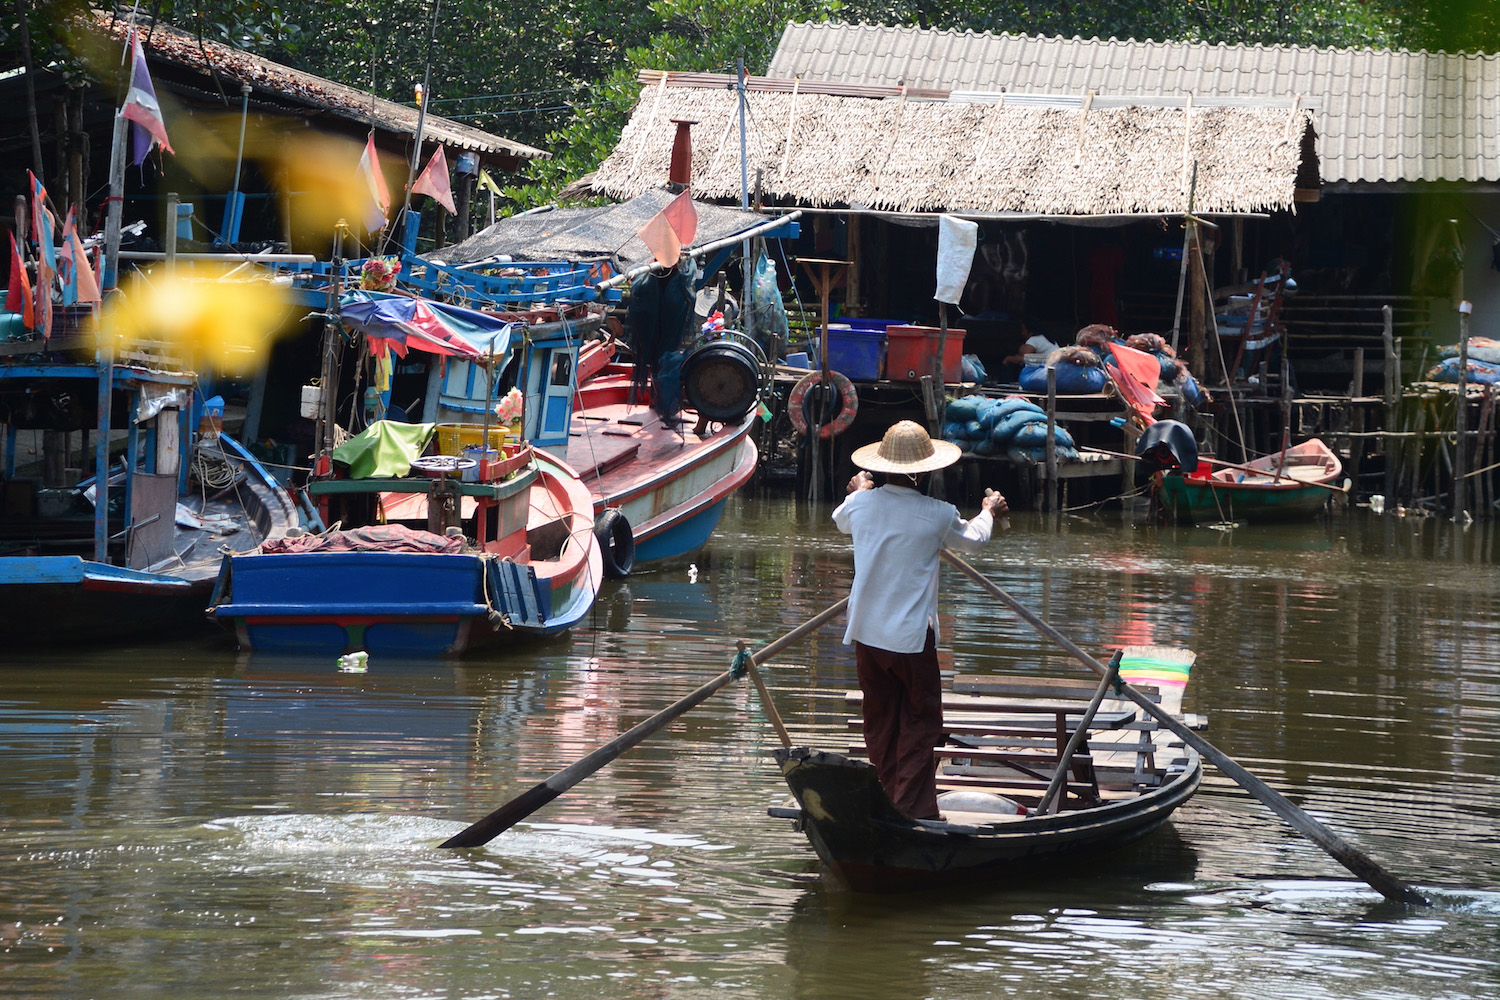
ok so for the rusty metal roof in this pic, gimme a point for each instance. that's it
(183, 49)
(1382, 115)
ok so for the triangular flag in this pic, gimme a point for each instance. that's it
(85, 287)
(142, 108)
(1135, 374)
(433, 181)
(65, 268)
(487, 183)
(683, 215)
(374, 184)
(18, 294)
(661, 239)
(42, 224)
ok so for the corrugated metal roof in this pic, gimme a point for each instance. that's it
(171, 45)
(1382, 115)
(898, 150)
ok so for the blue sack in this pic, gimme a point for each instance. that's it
(1072, 380)
(965, 408)
(1191, 390)
(954, 432)
(1034, 435)
(1006, 429)
(1006, 407)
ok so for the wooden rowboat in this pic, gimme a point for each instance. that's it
(1005, 739)
(1292, 484)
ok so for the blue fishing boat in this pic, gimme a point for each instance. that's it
(441, 539)
(134, 552)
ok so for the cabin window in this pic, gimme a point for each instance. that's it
(562, 368)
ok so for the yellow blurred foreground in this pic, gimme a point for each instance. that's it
(226, 324)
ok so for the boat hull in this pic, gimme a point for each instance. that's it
(76, 600)
(872, 847)
(72, 600)
(1290, 486)
(670, 484)
(418, 604)
(388, 603)
(1199, 501)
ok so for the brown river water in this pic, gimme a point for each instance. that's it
(182, 820)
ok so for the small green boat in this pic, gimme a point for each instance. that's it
(1295, 483)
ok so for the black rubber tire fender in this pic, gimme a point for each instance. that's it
(616, 543)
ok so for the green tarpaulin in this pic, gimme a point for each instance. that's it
(385, 448)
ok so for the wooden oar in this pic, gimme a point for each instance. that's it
(1223, 465)
(1340, 850)
(540, 794)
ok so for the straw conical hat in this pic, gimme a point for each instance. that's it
(906, 448)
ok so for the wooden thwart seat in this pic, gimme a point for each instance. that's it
(1007, 735)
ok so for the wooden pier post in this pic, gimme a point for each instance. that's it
(1357, 419)
(1388, 444)
(1051, 439)
(1461, 417)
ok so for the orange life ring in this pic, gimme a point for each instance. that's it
(846, 403)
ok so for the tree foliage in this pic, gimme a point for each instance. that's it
(562, 75)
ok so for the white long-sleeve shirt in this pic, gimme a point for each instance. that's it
(897, 534)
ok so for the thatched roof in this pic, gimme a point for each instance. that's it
(898, 150)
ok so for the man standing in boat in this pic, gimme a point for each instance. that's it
(897, 535)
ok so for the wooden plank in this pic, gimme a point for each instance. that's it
(1033, 687)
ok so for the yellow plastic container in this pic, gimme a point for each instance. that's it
(452, 439)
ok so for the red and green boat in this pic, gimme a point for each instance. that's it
(1291, 484)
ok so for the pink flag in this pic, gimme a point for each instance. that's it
(142, 108)
(683, 215)
(661, 239)
(433, 181)
(374, 183)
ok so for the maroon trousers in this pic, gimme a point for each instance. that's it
(903, 709)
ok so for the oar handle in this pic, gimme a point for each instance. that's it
(543, 792)
(540, 794)
(1346, 854)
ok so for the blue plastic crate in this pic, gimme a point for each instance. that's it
(855, 353)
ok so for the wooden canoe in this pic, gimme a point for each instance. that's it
(1124, 782)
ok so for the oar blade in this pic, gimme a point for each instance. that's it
(502, 819)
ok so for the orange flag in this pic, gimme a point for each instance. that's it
(683, 215)
(84, 282)
(1136, 374)
(661, 239)
(433, 181)
(18, 295)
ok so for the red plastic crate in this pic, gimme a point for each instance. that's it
(911, 350)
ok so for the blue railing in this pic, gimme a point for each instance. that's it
(500, 286)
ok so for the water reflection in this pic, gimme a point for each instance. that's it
(167, 807)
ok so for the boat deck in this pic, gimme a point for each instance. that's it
(1007, 736)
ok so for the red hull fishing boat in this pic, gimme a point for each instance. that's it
(660, 484)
